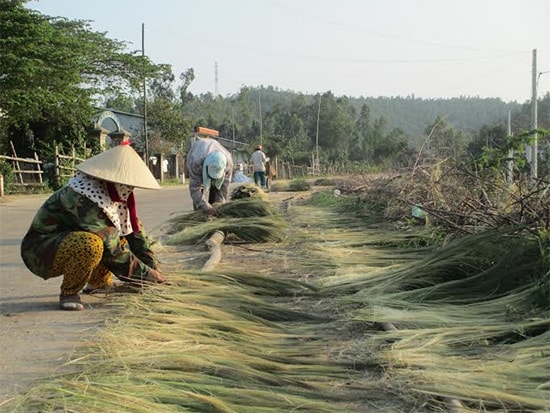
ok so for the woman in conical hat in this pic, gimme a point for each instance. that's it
(89, 229)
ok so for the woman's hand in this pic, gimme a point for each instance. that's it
(211, 212)
(155, 276)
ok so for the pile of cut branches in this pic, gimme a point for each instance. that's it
(454, 198)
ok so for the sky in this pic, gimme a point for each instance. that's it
(427, 48)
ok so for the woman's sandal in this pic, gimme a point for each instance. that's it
(70, 302)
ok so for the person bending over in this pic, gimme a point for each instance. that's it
(210, 168)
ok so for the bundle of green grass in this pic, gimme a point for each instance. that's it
(247, 215)
(247, 191)
(295, 185)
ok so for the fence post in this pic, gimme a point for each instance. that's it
(1, 185)
(38, 168)
(16, 164)
(57, 166)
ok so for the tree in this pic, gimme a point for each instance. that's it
(336, 119)
(487, 137)
(51, 72)
(161, 86)
(444, 140)
(121, 102)
(170, 130)
(360, 147)
(187, 78)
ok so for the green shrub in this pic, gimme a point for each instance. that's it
(9, 177)
(299, 185)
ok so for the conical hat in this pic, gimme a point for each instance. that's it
(121, 165)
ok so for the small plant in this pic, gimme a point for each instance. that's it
(299, 185)
(330, 199)
(325, 182)
(9, 178)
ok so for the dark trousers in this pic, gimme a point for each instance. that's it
(259, 178)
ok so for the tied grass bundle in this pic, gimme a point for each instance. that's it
(247, 191)
(246, 207)
(251, 219)
(251, 229)
(296, 185)
(236, 208)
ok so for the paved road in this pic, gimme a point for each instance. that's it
(36, 337)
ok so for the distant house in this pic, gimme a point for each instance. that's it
(110, 127)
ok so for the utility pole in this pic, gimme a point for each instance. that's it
(317, 165)
(216, 91)
(145, 136)
(261, 122)
(534, 147)
(510, 160)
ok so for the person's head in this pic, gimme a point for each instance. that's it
(213, 169)
(259, 147)
(122, 166)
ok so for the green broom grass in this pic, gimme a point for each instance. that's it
(198, 346)
(254, 229)
(472, 316)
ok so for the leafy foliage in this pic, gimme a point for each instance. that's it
(52, 70)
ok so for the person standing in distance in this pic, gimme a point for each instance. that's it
(258, 161)
(210, 168)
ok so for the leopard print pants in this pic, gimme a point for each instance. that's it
(78, 259)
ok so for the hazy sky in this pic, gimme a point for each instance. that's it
(429, 48)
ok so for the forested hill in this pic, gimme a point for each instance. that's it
(412, 115)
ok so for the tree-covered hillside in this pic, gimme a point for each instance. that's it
(411, 115)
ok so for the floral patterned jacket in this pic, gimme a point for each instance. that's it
(66, 211)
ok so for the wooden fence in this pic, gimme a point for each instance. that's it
(25, 167)
(28, 172)
(65, 164)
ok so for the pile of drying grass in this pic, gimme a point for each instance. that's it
(247, 191)
(470, 320)
(472, 323)
(228, 343)
(466, 321)
(250, 218)
(256, 229)
(294, 185)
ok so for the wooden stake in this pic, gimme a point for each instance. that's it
(213, 243)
